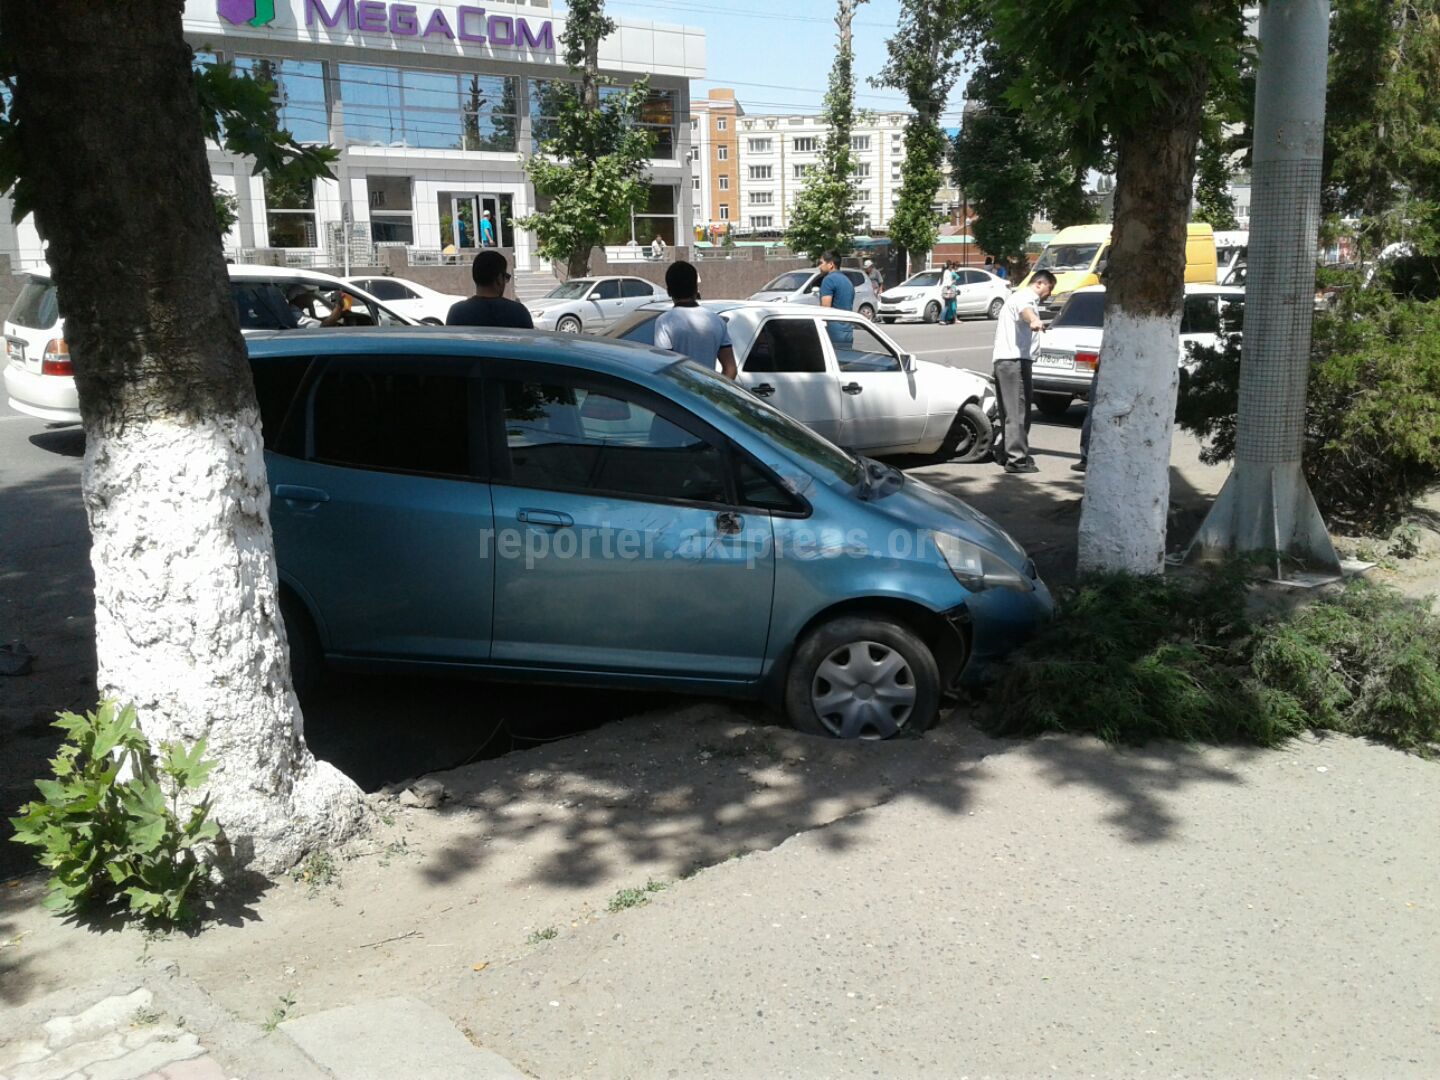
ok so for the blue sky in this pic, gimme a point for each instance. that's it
(777, 56)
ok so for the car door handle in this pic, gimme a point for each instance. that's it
(297, 493)
(852, 388)
(764, 389)
(553, 518)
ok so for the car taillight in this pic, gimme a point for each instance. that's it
(1087, 359)
(56, 358)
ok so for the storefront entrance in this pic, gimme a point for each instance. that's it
(472, 220)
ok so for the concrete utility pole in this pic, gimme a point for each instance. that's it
(1266, 505)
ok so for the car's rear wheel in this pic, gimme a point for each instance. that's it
(307, 658)
(994, 309)
(432, 322)
(862, 677)
(970, 436)
(868, 311)
(569, 324)
(1055, 406)
(932, 312)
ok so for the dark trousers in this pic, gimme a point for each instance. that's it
(1014, 384)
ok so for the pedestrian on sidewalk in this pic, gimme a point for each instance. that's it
(1015, 334)
(489, 306)
(836, 292)
(877, 282)
(949, 290)
(689, 329)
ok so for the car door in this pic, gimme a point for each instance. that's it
(786, 365)
(380, 507)
(606, 303)
(973, 295)
(883, 406)
(635, 294)
(622, 547)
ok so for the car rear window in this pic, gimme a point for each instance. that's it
(1083, 309)
(384, 289)
(35, 308)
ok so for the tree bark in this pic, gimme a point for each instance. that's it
(187, 620)
(1127, 486)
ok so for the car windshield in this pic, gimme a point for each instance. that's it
(1068, 257)
(1083, 309)
(796, 279)
(925, 280)
(795, 439)
(35, 307)
(570, 290)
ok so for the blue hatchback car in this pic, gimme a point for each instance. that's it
(541, 506)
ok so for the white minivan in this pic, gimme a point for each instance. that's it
(40, 381)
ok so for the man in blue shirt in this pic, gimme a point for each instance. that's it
(837, 292)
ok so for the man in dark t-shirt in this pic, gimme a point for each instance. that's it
(489, 306)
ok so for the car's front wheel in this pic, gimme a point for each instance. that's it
(932, 312)
(970, 436)
(307, 658)
(862, 677)
(569, 324)
(868, 311)
(993, 311)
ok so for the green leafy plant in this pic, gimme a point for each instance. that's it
(317, 872)
(111, 841)
(539, 936)
(629, 898)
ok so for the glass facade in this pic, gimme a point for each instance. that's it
(657, 114)
(429, 110)
(299, 93)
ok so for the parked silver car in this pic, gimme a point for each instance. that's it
(803, 287)
(592, 303)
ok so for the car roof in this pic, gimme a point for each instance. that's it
(593, 353)
(1192, 288)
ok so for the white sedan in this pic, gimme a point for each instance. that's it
(409, 298)
(920, 296)
(841, 376)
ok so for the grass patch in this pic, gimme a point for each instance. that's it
(318, 872)
(548, 934)
(629, 898)
(279, 1013)
(1133, 659)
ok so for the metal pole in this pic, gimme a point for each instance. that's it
(1266, 505)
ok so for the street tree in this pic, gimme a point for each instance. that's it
(187, 604)
(1137, 75)
(926, 56)
(824, 217)
(1214, 172)
(589, 175)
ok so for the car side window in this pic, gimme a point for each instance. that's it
(856, 278)
(262, 306)
(277, 378)
(786, 345)
(385, 289)
(857, 348)
(567, 436)
(630, 289)
(759, 490)
(972, 277)
(1232, 315)
(606, 290)
(1201, 316)
(395, 416)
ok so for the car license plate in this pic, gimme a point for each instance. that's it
(1045, 358)
(15, 350)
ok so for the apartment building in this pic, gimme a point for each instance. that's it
(715, 160)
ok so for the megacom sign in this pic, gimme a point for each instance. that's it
(471, 25)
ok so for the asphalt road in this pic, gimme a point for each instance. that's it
(966, 344)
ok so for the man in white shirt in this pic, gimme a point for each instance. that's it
(1011, 358)
(689, 329)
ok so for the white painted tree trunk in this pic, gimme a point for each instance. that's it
(1127, 497)
(188, 628)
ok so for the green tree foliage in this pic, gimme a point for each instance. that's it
(925, 58)
(1382, 131)
(824, 217)
(1372, 413)
(113, 841)
(1213, 172)
(589, 174)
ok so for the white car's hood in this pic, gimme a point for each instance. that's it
(956, 384)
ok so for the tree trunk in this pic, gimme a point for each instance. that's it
(186, 617)
(1127, 487)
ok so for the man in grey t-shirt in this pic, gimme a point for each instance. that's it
(689, 329)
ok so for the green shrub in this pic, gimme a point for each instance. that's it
(112, 842)
(1372, 413)
(1134, 659)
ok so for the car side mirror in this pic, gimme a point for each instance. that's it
(908, 361)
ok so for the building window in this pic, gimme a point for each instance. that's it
(694, 183)
(722, 153)
(762, 222)
(760, 146)
(298, 89)
(724, 182)
(762, 198)
(859, 142)
(802, 171)
(429, 110)
(724, 211)
(694, 153)
(659, 117)
(694, 124)
(761, 172)
(290, 214)
(392, 217)
(720, 123)
(863, 195)
(862, 170)
(659, 216)
(805, 145)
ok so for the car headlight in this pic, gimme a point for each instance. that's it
(537, 313)
(976, 568)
